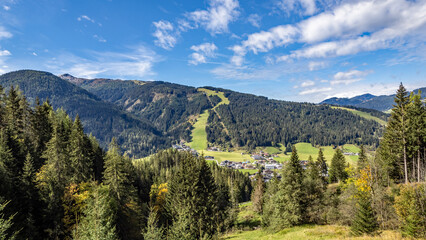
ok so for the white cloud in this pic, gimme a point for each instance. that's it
(34, 54)
(317, 65)
(202, 52)
(350, 28)
(348, 77)
(308, 7)
(7, 8)
(217, 16)
(166, 37)
(254, 19)
(315, 90)
(85, 17)
(4, 33)
(4, 53)
(308, 83)
(135, 63)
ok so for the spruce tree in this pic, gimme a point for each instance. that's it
(365, 221)
(99, 216)
(362, 159)
(393, 147)
(322, 165)
(80, 154)
(6, 224)
(337, 171)
(416, 114)
(153, 230)
(314, 187)
(290, 199)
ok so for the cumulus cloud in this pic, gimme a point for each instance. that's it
(348, 77)
(217, 16)
(202, 52)
(254, 19)
(166, 37)
(7, 8)
(4, 53)
(348, 29)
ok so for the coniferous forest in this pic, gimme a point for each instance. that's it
(58, 183)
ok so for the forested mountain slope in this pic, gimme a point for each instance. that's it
(381, 103)
(258, 121)
(168, 106)
(104, 120)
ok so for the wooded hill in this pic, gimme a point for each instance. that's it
(380, 103)
(147, 116)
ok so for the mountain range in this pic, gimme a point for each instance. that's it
(381, 103)
(147, 116)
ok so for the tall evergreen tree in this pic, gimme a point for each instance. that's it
(290, 199)
(394, 144)
(322, 165)
(6, 224)
(337, 171)
(362, 159)
(314, 187)
(80, 154)
(365, 221)
(416, 114)
(98, 222)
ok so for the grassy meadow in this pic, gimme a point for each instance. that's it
(363, 114)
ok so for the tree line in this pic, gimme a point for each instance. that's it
(58, 183)
(383, 191)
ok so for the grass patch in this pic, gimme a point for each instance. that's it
(199, 135)
(272, 150)
(363, 114)
(209, 92)
(308, 232)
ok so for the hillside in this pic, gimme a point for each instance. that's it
(147, 116)
(167, 106)
(104, 120)
(381, 103)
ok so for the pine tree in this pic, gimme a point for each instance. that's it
(80, 154)
(259, 190)
(6, 224)
(416, 114)
(290, 199)
(322, 164)
(98, 222)
(394, 144)
(153, 230)
(314, 187)
(117, 173)
(365, 221)
(337, 171)
(362, 159)
(6, 161)
(29, 200)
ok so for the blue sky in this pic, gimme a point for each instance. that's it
(298, 50)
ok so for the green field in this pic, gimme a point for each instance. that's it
(363, 114)
(199, 135)
(308, 232)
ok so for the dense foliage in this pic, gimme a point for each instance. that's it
(256, 121)
(385, 191)
(57, 183)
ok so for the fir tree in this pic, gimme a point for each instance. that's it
(322, 165)
(314, 187)
(362, 159)
(153, 230)
(98, 222)
(337, 171)
(365, 221)
(289, 202)
(6, 224)
(80, 153)
(416, 114)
